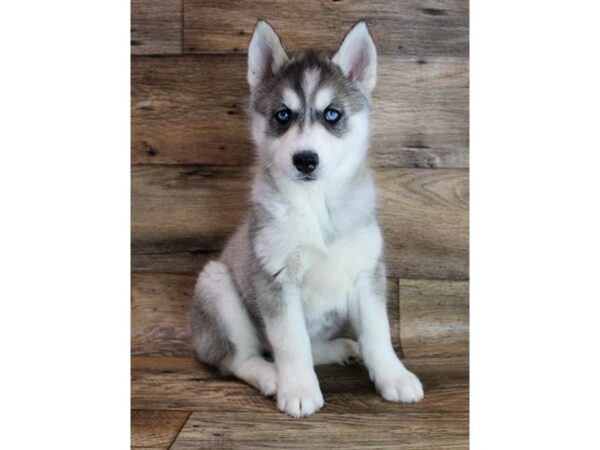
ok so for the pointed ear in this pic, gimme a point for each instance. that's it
(266, 54)
(357, 57)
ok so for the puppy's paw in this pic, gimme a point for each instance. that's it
(345, 351)
(351, 352)
(400, 386)
(300, 399)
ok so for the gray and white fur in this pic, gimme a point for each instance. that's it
(308, 257)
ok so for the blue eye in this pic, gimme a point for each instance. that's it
(282, 116)
(332, 115)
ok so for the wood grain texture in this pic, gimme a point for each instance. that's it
(191, 109)
(324, 430)
(167, 383)
(156, 429)
(183, 214)
(160, 314)
(424, 215)
(434, 318)
(156, 27)
(406, 27)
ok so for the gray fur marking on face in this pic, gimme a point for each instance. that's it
(267, 99)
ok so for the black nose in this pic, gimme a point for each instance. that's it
(306, 161)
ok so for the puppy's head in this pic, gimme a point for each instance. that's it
(310, 113)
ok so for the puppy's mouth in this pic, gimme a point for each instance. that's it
(305, 177)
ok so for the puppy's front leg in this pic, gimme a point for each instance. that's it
(298, 392)
(368, 314)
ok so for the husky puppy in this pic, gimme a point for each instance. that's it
(308, 257)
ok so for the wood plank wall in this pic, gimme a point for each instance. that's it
(190, 140)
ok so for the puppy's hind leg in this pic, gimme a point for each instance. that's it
(223, 332)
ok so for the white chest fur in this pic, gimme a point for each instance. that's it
(322, 246)
(329, 274)
(326, 260)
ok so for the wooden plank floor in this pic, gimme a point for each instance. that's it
(274, 430)
(191, 154)
(177, 399)
(183, 384)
